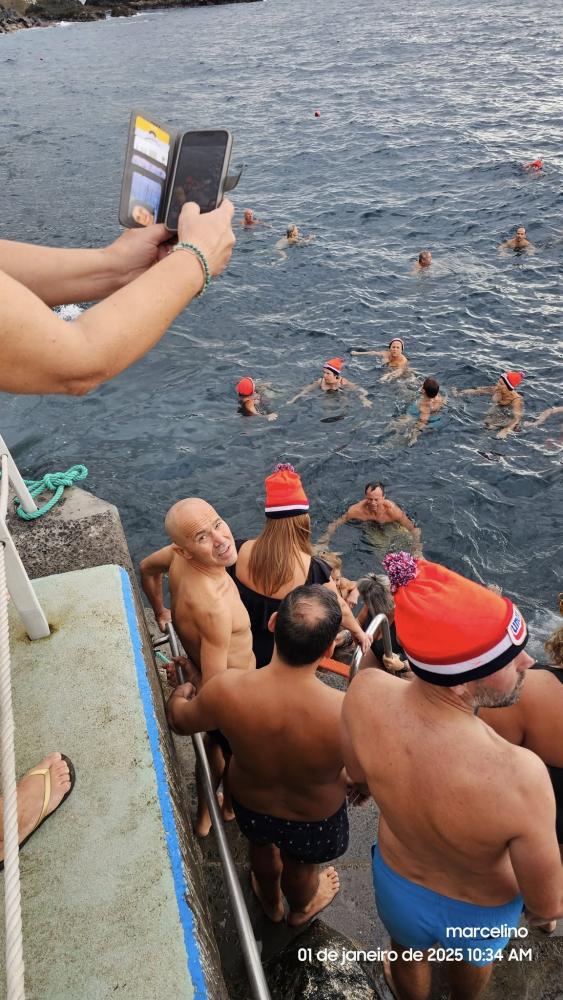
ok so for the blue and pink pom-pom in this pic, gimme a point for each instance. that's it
(400, 568)
(284, 467)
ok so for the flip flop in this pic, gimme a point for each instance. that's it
(46, 773)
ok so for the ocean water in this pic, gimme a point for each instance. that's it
(427, 112)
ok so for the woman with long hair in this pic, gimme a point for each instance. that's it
(281, 558)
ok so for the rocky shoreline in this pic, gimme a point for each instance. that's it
(21, 14)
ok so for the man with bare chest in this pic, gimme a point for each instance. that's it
(467, 828)
(206, 609)
(374, 507)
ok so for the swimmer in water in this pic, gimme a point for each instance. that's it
(394, 359)
(535, 165)
(375, 508)
(544, 415)
(249, 219)
(504, 395)
(250, 401)
(293, 238)
(519, 243)
(424, 261)
(333, 381)
(426, 408)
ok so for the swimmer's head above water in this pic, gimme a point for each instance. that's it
(292, 232)
(248, 217)
(430, 388)
(396, 348)
(374, 494)
(246, 387)
(424, 258)
(332, 371)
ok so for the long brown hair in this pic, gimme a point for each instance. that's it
(279, 546)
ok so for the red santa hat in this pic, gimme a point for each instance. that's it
(334, 365)
(512, 379)
(452, 630)
(285, 496)
(246, 386)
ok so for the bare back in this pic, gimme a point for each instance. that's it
(450, 791)
(283, 727)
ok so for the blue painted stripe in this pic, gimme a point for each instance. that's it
(195, 967)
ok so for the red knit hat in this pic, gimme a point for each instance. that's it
(246, 386)
(512, 379)
(452, 630)
(285, 496)
(334, 365)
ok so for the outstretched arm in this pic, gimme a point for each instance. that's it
(42, 353)
(327, 535)
(482, 390)
(544, 415)
(362, 393)
(152, 569)
(381, 354)
(307, 389)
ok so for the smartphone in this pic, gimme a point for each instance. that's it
(199, 172)
(147, 163)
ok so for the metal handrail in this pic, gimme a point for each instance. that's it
(251, 957)
(4, 486)
(379, 622)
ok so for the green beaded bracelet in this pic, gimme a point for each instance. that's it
(202, 259)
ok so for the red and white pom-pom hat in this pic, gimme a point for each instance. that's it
(452, 630)
(334, 365)
(246, 386)
(285, 496)
(512, 379)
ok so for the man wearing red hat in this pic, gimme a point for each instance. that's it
(332, 380)
(206, 609)
(504, 395)
(467, 820)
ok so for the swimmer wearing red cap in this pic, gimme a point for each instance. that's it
(503, 395)
(250, 400)
(519, 242)
(332, 380)
(534, 165)
(393, 357)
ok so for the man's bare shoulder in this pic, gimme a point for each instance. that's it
(357, 512)
(391, 507)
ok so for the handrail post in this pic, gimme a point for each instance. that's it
(18, 582)
(251, 957)
(379, 622)
(20, 489)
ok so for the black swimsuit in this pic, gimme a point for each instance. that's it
(261, 608)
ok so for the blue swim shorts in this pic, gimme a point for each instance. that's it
(417, 917)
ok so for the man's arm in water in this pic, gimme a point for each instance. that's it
(304, 392)
(43, 353)
(517, 410)
(327, 535)
(399, 517)
(189, 713)
(544, 415)
(152, 569)
(534, 853)
(380, 354)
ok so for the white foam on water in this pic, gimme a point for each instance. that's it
(69, 312)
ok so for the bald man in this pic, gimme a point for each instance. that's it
(206, 609)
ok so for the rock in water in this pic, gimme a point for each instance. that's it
(319, 977)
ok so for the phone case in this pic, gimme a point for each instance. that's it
(145, 174)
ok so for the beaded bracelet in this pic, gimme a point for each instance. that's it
(202, 259)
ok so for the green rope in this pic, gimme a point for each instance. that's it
(160, 656)
(54, 481)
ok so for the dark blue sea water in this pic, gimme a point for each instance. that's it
(427, 112)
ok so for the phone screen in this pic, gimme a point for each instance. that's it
(199, 171)
(147, 168)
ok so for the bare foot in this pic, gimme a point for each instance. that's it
(274, 912)
(329, 884)
(548, 928)
(388, 976)
(31, 791)
(203, 823)
(227, 812)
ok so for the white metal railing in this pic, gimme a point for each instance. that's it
(13, 579)
(19, 586)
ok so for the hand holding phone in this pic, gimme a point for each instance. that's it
(211, 232)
